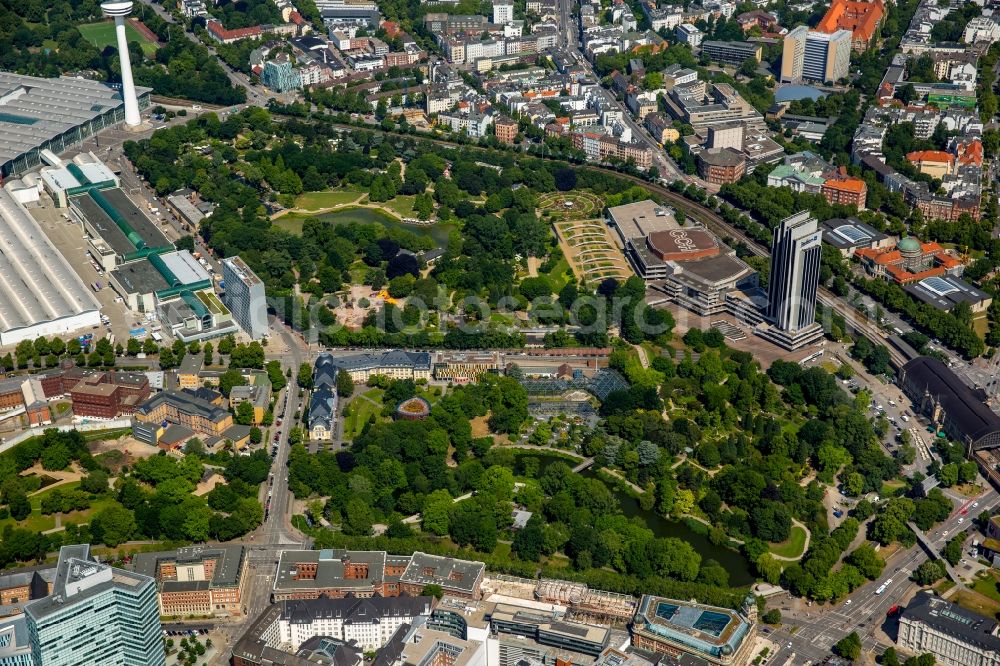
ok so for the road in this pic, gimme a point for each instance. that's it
(813, 632)
(569, 39)
(277, 527)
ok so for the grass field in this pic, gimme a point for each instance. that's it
(36, 522)
(103, 34)
(327, 199)
(402, 205)
(792, 547)
(361, 409)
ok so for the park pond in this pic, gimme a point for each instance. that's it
(731, 560)
(438, 231)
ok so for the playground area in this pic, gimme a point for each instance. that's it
(570, 205)
(591, 251)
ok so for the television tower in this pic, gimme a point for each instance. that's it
(119, 10)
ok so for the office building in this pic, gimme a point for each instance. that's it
(687, 33)
(726, 135)
(502, 13)
(794, 282)
(720, 166)
(96, 616)
(197, 580)
(334, 573)
(732, 53)
(395, 364)
(245, 297)
(22, 586)
(15, 644)
(685, 630)
(548, 629)
(851, 235)
(107, 395)
(280, 76)
(815, 56)
(947, 291)
(954, 635)
(117, 230)
(40, 294)
(188, 415)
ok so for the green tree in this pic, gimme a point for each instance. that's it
(773, 616)
(116, 524)
(229, 379)
(929, 572)
(345, 385)
(19, 506)
(305, 376)
(436, 512)
(849, 647)
(432, 590)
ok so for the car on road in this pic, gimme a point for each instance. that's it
(961, 520)
(975, 504)
(848, 602)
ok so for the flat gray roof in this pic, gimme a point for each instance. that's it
(36, 282)
(139, 277)
(185, 267)
(34, 110)
(136, 218)
(638, 220)
(228, 564)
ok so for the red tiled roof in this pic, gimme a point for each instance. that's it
(935, 156)
(861, 18)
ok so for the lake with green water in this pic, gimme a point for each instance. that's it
(438, 232)
(731, 560)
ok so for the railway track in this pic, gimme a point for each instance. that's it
(709, 218)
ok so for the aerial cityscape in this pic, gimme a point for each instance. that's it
(499, 333)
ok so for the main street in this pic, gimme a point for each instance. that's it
(570, 40)
(813, 631)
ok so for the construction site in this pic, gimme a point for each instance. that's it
(582, 603)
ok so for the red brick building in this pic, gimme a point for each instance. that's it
(107, 395)
(506, 130)
(845, 190)
(721, 165)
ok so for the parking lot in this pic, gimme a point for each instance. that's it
(69, 240)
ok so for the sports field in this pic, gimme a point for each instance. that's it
(103, 34)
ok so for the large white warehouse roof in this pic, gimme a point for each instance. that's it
(40, 294)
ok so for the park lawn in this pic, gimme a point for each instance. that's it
(290, 223)
(791, 547)
(374, 395)
(360, 411)
(401, 204)
(103, 34)
(987, 586)
(891, 488)
(36, 522)
(976, 602)
(326, 199)
(559, 275)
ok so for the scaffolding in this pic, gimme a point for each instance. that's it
(600, 607)
(508, 586)
(560, 591)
